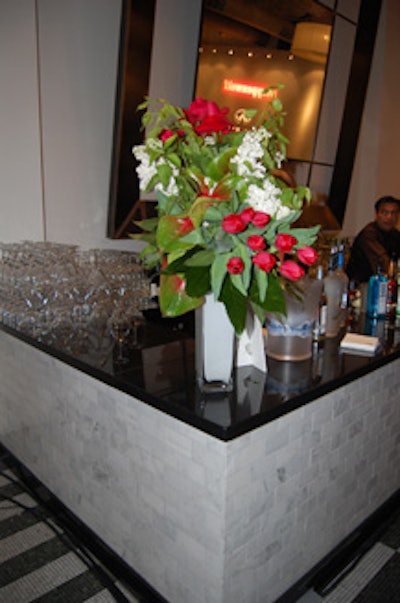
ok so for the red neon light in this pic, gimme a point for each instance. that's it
(248, 89)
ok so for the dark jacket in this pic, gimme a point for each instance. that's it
(371, 248)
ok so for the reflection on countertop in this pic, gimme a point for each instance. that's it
(154, 362)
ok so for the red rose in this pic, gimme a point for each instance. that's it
(247, 215)
(256, 242)
(285, 242)
(207, 117)
(233, 224)
(200, 108)
(264, 260)
(213, 123)
(165, 134)
(260, 219)
(235, 265)
(291, 270)
(307, 255)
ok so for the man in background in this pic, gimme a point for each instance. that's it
(376, 243)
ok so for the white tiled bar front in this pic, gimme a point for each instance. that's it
(203, 520)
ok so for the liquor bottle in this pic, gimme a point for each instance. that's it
(319, 329)
(333, 291)
(376, 295)
(391, 297)
(344, 286)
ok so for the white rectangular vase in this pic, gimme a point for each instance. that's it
(218, 350)
(215, 344)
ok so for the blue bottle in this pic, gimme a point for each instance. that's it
(376, 295)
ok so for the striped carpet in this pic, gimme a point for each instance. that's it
(39, 561)
(373, 576)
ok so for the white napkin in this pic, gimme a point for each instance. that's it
(359, 343)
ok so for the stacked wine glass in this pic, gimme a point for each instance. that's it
(51, 290)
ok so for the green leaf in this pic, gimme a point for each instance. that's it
(150, 224)
(173, 256)
(170, 232)
(213, 213)
(150, 256)
(221, 165)
(150, 237)
(302, 233)
(286, 221)
(142, 105)
(204, 257)
(236, 305)
(164, 173)
(173, 297)
(198, 209)
(250, 113)
(148, 249)
(220, 240)
(241, 251)
(262, 282)
(259, 312)
(178, 264)
(304, 193)
(194, 238)
(274, 300)
(162, 201)
(218, 272)
(146, 119)
(237, 282)
(169, 143)
(197, 281)
(175, 159)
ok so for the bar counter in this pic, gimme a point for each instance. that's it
(158, 369)
(209, 498)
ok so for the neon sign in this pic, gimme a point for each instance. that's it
(253, 90)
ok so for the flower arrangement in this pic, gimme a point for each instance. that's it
(224, 216)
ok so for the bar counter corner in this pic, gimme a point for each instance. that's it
(229, 499)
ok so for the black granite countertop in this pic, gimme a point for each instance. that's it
(157, 367)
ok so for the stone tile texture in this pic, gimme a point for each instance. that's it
(200, 519)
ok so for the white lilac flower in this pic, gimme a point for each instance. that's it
(145, 170)
(279, 157)
(209, 141)
(171, 190)
(172, 187)
(267, 199)
(154, 144)
(139, 151)
(249, 153)
(282, 212)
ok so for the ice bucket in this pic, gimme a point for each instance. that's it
(290, 337)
